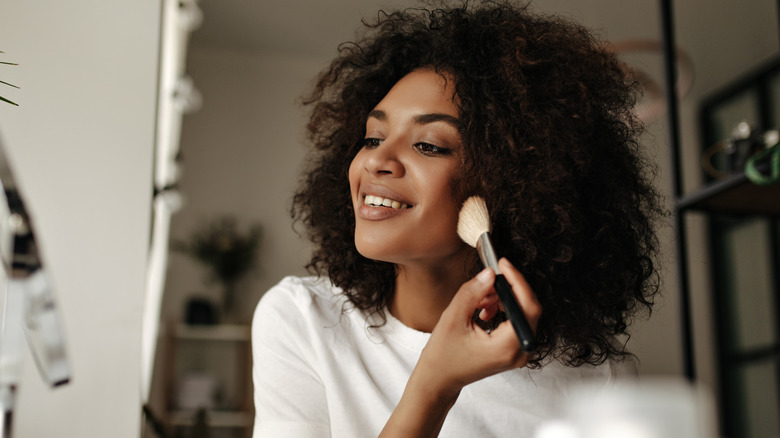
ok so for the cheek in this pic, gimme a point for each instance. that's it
(353, 175)
(453, 203)
(445, 207)
(441, 185)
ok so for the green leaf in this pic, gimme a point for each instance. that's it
(10, 85)
(6, 83)
(6, 100)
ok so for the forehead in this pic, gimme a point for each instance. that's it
(423, 91)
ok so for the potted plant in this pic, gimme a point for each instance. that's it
(226, 252)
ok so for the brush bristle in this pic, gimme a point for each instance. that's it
(473, 220)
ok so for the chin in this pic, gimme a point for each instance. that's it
(372, 253)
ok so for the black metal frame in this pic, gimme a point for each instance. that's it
(670, 75)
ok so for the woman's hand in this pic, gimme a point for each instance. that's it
(459, 352)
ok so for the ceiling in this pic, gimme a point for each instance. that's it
(316, 27)
(722, 37)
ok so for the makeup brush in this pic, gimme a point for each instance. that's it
(474, 229)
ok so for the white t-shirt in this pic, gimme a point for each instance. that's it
(321, 370)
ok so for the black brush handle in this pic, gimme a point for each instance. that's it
(515, 314)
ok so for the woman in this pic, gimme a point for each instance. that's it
(401, 333)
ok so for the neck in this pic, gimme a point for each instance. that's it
(423, 292)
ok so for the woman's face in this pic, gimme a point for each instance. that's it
(401, 180)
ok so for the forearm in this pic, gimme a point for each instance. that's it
(421, 411)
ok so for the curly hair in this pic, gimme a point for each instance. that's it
(550, 142)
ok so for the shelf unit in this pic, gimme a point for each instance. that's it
(222, 352)
(743, 221)
(744, 234)
(734, 195)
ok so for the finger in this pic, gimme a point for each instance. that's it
(489, 306)
(488, 312)
(505, 348)
(525, 295)
(490, 300)
(473, 292)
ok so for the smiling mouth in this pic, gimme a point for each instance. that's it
(378, 201)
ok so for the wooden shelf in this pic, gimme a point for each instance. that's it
(221, 332)
(185, 418)
(735, 194)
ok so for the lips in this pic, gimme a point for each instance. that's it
(377, 202)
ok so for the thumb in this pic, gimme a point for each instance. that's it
(472, 292)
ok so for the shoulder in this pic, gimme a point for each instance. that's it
(297, 302)
(300, 290)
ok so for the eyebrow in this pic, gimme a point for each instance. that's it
(422, 119)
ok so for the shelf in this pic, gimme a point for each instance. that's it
(221, 332)
(213, 418)
(735, 194)
(222, 352)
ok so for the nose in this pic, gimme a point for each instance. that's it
(385, 160)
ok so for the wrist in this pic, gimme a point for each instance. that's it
(433, 391)
(421, 411)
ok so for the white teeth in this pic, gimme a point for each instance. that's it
(378, 201)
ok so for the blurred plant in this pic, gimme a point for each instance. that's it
(6, 83)
(227, 252)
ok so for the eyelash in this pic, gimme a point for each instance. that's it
(371, 142)
(430, 149)
(422, 147)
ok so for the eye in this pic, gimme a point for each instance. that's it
(430, 149)
(371, 142)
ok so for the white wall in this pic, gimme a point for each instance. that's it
(81, 144)
(241, 155)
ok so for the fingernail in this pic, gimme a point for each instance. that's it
(484, 276)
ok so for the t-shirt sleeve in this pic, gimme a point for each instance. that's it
(288, 393)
